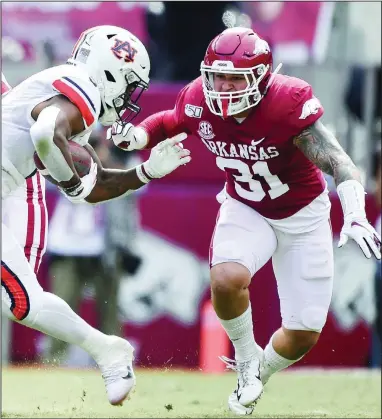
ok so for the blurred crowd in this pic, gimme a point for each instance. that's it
(90, 249)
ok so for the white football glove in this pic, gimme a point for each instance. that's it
(363, 233)
(167, 156)
(78, 193)
(127, 137)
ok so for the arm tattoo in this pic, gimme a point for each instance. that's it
(321, 147)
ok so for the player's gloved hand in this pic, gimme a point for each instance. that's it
(127, 137)
(79, 192)
(363, 233)
(165, 157)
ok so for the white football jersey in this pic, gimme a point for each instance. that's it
(17, 105)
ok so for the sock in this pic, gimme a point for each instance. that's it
(273, 362)
(58, 320)
(240, 332)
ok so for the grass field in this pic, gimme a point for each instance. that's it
(59, 393)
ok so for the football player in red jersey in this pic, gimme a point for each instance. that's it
(266, 133)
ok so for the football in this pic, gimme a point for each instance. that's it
(81, 158)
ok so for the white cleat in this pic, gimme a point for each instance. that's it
(116, 365)
(249, 385)
(237, 408)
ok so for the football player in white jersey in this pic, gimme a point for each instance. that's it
(24, 212)
(102, 80)
(29, 199)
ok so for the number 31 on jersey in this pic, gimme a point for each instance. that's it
(256, 192)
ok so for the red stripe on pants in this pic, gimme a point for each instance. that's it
(43, 223)
(15, 289)
(30, 222)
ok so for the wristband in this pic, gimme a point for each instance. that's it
(142, 174)
(352, 197)
(74, 190)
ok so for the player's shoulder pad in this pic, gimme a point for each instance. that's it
(192, 99)
(76, 85)
(293, 95)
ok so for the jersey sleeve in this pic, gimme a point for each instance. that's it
(306, 110)
(166, 124)
(83, 94)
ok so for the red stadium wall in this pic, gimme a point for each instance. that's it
(182, 208)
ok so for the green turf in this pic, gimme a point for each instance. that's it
(57, 393)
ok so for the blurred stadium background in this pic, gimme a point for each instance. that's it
(162, 293)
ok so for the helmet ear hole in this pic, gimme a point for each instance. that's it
(109, 76)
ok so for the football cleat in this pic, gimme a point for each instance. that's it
(249, 385)
(237, 408)
(116, 365)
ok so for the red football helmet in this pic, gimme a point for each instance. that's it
(236, 51)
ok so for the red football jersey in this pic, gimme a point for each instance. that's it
(264, 169)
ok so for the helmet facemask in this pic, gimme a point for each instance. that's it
(124, 108)
(126, 105)
(231, 103)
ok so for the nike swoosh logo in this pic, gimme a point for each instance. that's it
(253, 143)
(93, 82)
(143, 67)
(129, 375)
(237, 391)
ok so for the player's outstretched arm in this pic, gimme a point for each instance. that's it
(164, 159)
(153, 129)
(148, 133)
(323, 149)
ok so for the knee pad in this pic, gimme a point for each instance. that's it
(313, 318)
